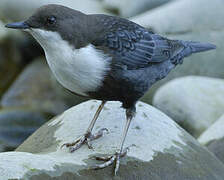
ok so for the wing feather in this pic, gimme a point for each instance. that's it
(132, 45)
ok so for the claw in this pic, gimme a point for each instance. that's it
(89, 144)
(98, 134)
(106, 164)
(117, 164)
(77, 145)
(110, 159)
(85, 139)
(106, 158)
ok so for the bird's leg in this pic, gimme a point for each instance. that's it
(130, 113)
(88, 136)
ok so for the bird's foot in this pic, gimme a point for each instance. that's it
(85, 139)
(109, 160)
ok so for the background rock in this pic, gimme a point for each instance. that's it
(3, 32)
(25, 8)
(194, 102)
(37, 89)
(28, 48)
(11, 63)
(161, 149)
(214, 132)
(16, 125)
(184, 16)
(134, 7)
(200, 20)
(213, 138)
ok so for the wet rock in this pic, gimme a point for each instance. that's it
(25, 8)
(16, 125)
(190, 25)
(193, 102)
(213, 138)
(160, 149)
(134, 7)
(37, 89)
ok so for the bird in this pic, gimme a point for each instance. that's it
(104, 57)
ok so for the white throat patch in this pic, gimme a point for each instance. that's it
(79, 70)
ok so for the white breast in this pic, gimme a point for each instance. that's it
(79, 70)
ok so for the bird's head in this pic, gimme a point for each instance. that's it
(51, 22)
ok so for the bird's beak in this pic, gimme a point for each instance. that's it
(18, 25)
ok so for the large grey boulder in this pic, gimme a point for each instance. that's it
(160, 148)
(127, 8)
(213, 138)
(200, 20)
(193, 102)
(25, 8)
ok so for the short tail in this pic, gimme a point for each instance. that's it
(188, 48)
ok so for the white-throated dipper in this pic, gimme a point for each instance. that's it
(106, 58)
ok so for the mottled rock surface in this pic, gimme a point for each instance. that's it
(161, 149)
(193, 102)
(213, 138)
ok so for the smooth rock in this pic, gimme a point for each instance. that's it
(213, 138)
(179, 17)
(160, 148)
(134, 7)
(16, 125)
(193, 102)
(25, 8)
(200, 20)
(37, 89)
(214, 132)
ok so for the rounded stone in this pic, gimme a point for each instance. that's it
(167, 19)
(160, 148)
(16, 125)
(190, 25)
(193, 102)
(134, 7)
(26, 8)
(214, 132)
(213, 138)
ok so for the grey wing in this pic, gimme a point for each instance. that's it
(134, 47)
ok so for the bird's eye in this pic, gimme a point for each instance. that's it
(51, 20)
